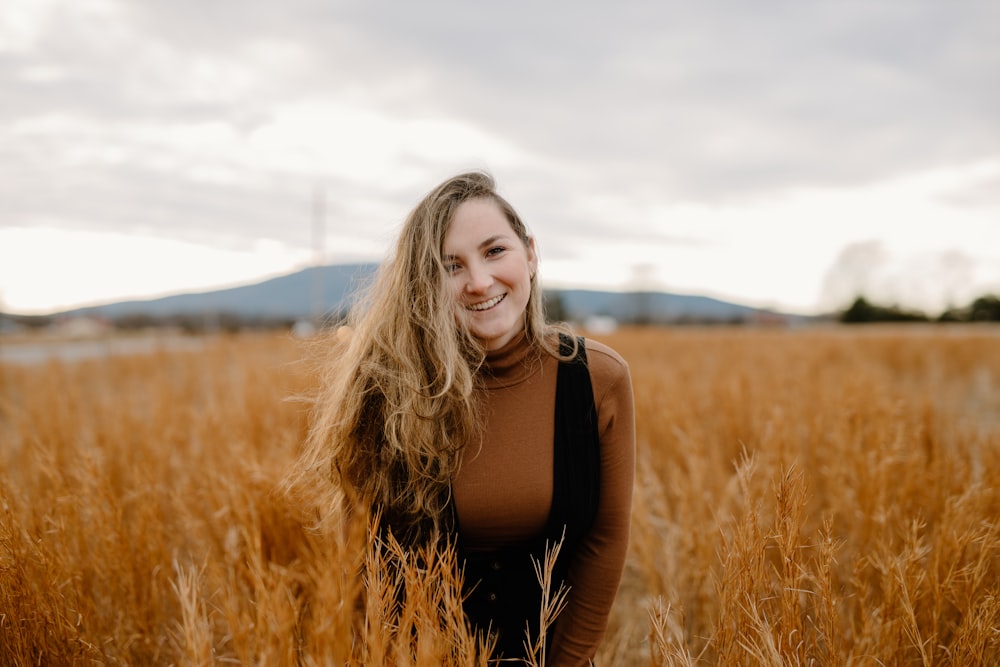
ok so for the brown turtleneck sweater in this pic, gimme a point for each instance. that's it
(504, 489)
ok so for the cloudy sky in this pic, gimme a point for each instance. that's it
(779, 153)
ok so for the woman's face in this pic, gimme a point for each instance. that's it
(490, 270)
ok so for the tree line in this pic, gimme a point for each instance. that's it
(983, 309)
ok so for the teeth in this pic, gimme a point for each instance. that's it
(486, 305)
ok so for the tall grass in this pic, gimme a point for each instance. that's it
(818, 497)
(815, 497)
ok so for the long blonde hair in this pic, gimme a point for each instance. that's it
(399, 403)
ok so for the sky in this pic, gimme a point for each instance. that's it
(784, 154)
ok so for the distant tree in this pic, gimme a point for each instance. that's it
(32, 321)
(229, 322)
(555, 311)
(985, 309)
(134, 321)
(859, 311)
(954, 315)
(862, 311)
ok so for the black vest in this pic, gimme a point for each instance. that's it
(503, 593)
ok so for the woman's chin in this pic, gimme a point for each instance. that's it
(493, 339)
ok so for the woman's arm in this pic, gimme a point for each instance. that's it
(596, 567)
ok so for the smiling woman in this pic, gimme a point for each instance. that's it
(457, 415)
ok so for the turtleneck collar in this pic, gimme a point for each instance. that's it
(515, 362)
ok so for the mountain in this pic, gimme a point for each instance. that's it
(328, 290)
(653, 307)
(323, 289)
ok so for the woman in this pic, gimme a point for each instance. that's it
(458, 413)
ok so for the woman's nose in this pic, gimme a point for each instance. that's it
(478, 279)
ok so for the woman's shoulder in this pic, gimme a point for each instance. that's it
(611, 382)
(602, 353)
(605, 362)
(607, 366)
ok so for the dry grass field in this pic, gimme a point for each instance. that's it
(804, 497)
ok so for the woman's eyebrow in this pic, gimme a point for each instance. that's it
(490, 241)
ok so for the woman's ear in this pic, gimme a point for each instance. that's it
(532, 257)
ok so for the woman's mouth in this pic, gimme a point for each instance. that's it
(486, 305)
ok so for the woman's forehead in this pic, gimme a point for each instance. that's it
(476, 221)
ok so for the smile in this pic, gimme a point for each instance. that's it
(486, 305)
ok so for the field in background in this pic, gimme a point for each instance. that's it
(822, 497)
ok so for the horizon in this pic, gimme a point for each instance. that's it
(546, 286)
(562, 287)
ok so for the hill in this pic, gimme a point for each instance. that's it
(327, 290)
(321, 289)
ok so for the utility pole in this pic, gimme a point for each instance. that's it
(319, 260)
(642, 276)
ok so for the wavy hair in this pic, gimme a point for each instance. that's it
(399, 401)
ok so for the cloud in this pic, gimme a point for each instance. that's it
(47, 269)
(217, 123)
(854, 273)
(931, 281)
(714, 101)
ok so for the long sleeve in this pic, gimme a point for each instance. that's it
(597, 565)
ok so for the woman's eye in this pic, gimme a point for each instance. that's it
(495, 251)
(452, 267)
